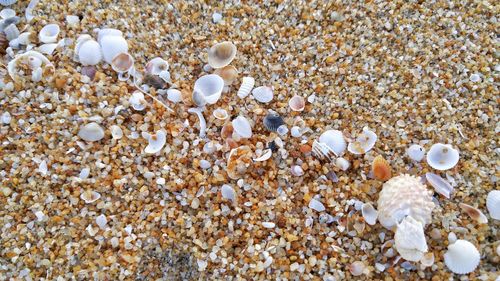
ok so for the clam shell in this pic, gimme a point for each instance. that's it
(7, 2)
(221, 54)
(493, 204)
(442, 156)
(246, 87)
(474, 213)
(265, 155)
(116, 132)
(156, 65)
(90, 196)
(273, 121)
(440, 185)
(263, 94)
(427, 260)
(49, 33)
(342, 163)
(91, 132)
(89, 71)
(242, 127)
(297, 103)
(47, 48)
(410, 239)
(228, 73)
(220, 113)
(416, 152)
(363, 143)
(88, 51)
(210, 87)
(462, 257)
(122, 62)
(112, 46)
(381, 169)
(334, 139)
(155, 142)
(369, 213)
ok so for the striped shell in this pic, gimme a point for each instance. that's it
(7, 2)
(246, 87)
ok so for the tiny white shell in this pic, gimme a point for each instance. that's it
(296, 132)
(47, 48)
(440, 185)
(369, 213)
(427, 260)
(316, 205)
(474, 213)
(7, 13)
(84, 173)
(49, 33)
(297, 171)
(155, 142)
(36, 74)
(334, 139)
(156, 65)
(137, 101)
(42, 167)
(363, 143)
(462, 257)
(493, 204)
(90, 196)
(108, 32)
(174, 95)
(24, 38)
(29, 10)
(416, 152)
(116, 132)
(242, 127)
(228, 192)
(89, 52)
(112, 46)
(282, 130)
(210, 87)
(342, 163)
(442, 156)
(203, 124)
(101, 221)
(410, 239)
(220, 113)
(263, 94)
(265, 155)
(91, 132)
(72, 20)
(246, 87)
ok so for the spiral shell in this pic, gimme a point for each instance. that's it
(246, 87)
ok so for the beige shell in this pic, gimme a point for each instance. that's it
(297, 103)
(228, 73)
(221, 54)
(122, 62)
(474, 213)
(220, 113)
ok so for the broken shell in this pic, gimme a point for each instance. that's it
(238, 161)
(228, 73)
(174, 95)
(357, 268)
(363, 143)
(263, 94)
(210, 87)
(334, 139)
(47, 49)
(410, 239)
(49, 33)
(242, 127)
(137, 101)
(89, 71)
(154, 81)
(273, 121)
(91, 132)
(24, 39)
(416, 152)
(220, 113)
(122, 63)
(442, 156)
(227, 131)
(88, 52)
(228, 192)
(322, 151)
(297, 171)
(297, 103)
(221, 54)
(427, 259)
(369, 213)
(381, 168)
(116, 132)
(34, 60)
(90, 196)
(156, 65)
(203, 124)
(265, 155)
(493, 204)
(474, 213)
(155, 141)
(462, 257)
(246, 87)
(112, 45)
(342, 163)
(440, 185)
(316, 205)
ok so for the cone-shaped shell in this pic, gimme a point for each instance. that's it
(442, 156)
(112, 46)
(209, 87)
(221, 54)
(462, 257)
(246, 87)
(334, 139)
(381, 169)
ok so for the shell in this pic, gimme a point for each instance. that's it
(369, 213)
(442, 156)
(416, 152)
(7, 13)
(37, 74)
(29, 10)
(155, 142)
(282, 130)
(90, 196)
(493, 204)
(363, 143)
(11, 32)
(210, 87)
(198, 99)
(238, 161)
(89, 52)
(263, 94)
(273, 121)
(427, 260)
(297, 170)
(228, 192)
(246, 87)
(47, 48)
(112, 46)
(297, 103)
(228, 73)
(116, 132)
(410, 239)
(33, 60)
(357, 268)
(7, 2)
(91, 132)
(474, 213)
(137, 101)
(242, 127)
(174, 95)
(203, 124)
(440, 185)
(381, 168)
(220, 113)
(334, 139)
(89, 71)
(462, 257)
(316, 205)
(401, 196)
(108, 32)
(101, 221)
(266, 154)
(122, 62)
(49, 33)
(72, 20)
(4, 43)
(221, 54)
(156, 65)
(322, 151)
(342, 163)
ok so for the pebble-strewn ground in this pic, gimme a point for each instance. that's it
(406, 69)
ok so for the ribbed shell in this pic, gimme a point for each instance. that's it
(273, 121)
(462, 257)
(246, 87)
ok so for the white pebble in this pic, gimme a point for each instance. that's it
(216, 17)
(6, 118)
(84, 173)
(316, 205)
(204, 164)
(416, 152)
(267, 224)
(475, 78)
(101, 221)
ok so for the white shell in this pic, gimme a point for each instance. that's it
(440, 185)
(7, 13)
(265, 155)
(369, 213)
(442, 156)
(342, 163)
(137, 101)
(89, 52)
(427, 260)
(7, 2)
(297, 170)
(47, 48)
(24, 38)
(263, 94)
(112, 46)
(108, 32)
(101, 221)
(203, 123)
(221, 54)
(156, 65)
(29, 10)
(155, 142)
(474, 213)
(363, 143)
(228, 192)
(42, 167)
(416, 152)
(242, 127)
(90, 196)
(220, 113)
(462, 257)
(35, 61)
(210, 87)
(334, 139)
(493, 204)
(174, 95)
(84, 173)
(296, 132)
(316, 205)
(91, 132)
(11, 32)
(116, 132)
(72, 20)
(246, 87)
(410, 239)
(49, 33)
(297, 103)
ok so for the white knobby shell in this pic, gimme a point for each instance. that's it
(246, 87)
(7, 13)
(442, 156)
(334, 139)
(91, 132)
(174, 95)
(47, 48)
(221, 54)
(155, 142)
(116, 132)
(49, 33)
(316, 205)
(228, 192)
(90, 196)
(297, 103)
(220, 113)
(369, 213)
(263, 94)
(156, 65)
(416, 152)
(88, 51)
(410, 239)
(462, 257)
(210, 87)
(493, 204)
(242, 127)
(363, 143)
(440, 185)
(137, 101)
(265, 155)
(111, 46)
